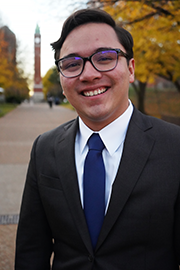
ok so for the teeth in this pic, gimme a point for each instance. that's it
(95, 92)
(99, 91)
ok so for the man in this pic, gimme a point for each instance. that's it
(138, 166)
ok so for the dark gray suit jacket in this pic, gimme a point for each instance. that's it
(141, 230)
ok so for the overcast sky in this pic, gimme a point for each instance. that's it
(21, 16)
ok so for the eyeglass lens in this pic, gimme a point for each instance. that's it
(102, 61)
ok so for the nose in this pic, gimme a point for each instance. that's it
(89, 73)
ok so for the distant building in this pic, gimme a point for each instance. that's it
(10, 38)
(38, 93)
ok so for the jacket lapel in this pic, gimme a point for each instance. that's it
(137, 147)
(65, 157)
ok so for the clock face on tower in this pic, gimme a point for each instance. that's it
(37, 40)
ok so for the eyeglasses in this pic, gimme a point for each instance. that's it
(105, 60)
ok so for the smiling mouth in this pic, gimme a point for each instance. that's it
(96, 92)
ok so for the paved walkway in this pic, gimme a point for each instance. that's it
(18, 130)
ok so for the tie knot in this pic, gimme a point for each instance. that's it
(95, 142)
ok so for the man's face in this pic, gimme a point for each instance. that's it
(97, 110)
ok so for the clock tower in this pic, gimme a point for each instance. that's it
(38, 94)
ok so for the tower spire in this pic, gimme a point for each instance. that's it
(37, 30)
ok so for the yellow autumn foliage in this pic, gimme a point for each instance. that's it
(155, 27)
(11, 79)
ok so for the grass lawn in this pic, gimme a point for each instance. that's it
(160, 102)
(6, 107)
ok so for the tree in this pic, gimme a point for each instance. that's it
(155, 27)
(11, 78)
(17, 90)
(51, 84)
(5, 72)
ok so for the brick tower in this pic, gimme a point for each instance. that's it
(38, 94)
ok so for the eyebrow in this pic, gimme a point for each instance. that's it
(78, 55)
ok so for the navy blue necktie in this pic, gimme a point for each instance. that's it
(94, 187)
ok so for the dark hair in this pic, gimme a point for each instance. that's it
(85, 16)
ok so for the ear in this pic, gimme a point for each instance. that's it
(131, 70)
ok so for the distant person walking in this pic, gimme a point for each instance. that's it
(50, 101)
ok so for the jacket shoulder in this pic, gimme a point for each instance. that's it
(58, 130)
(48, 138)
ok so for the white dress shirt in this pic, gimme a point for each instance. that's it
(113, 137)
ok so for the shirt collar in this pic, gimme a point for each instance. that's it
(112, 135)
